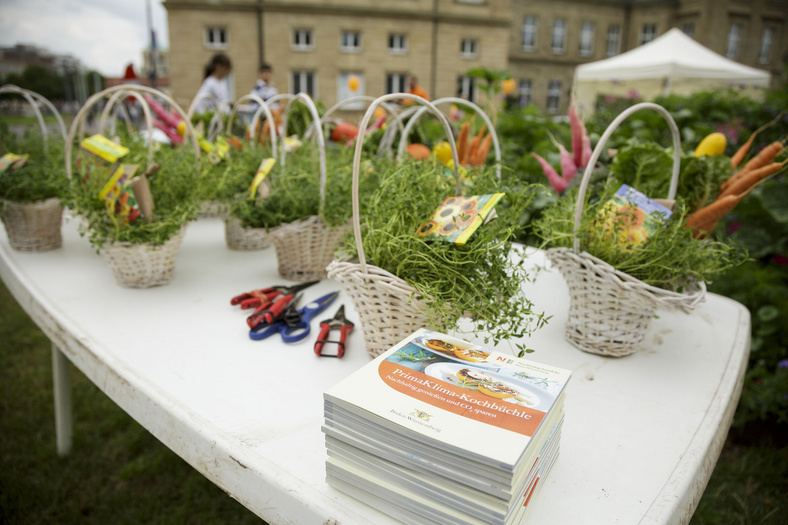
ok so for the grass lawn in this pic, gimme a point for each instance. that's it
(119, 473)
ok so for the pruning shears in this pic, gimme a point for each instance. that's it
(269, 303)
(345, 327)
(293, 324)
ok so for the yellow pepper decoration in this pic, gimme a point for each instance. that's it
(712, 144)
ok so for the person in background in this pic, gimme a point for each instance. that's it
(264, 87)
(214, 84)
(415, 89)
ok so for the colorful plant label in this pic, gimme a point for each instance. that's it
(457, 218)
(262, 172)
(119, 198)
(12, 161)
(633, 215)
(104, 148)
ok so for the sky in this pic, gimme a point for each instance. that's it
(105, 35)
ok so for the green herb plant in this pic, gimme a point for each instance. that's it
(477, 280)
(294, 190)
(668, 258)
(174, 189)
(42, 177)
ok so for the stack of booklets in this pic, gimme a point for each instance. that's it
(439, 430)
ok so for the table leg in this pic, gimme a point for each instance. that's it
(64, 428)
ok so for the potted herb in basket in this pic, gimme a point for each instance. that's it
(303, 204)
(32, 182)
(400, 280)
(135, 199)
(624, 254)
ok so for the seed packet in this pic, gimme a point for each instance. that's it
(633, 215)
(457, 218)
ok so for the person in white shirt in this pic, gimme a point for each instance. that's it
(215, 85)
(264, 87)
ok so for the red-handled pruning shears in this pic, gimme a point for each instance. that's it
(338, 321)
(269, 303)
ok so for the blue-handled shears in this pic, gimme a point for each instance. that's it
(293, 325)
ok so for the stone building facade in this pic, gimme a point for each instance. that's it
(315, 46)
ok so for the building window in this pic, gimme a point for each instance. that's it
(554, 96)
(216, 38)
(525, 92)
(613, 40)
(351, 41)
(398, 44)
(529, 33)
(688, 28)
(303, 82)
(469, 48)
(648, 32)
(586, 39)
(466, 88)
(396, 83)
(344, 90)
(302, 39)
(559, 36)
(766, 45)
(734, 38)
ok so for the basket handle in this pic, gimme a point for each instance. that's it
(114, 99)
(32, 97)
(321, 143)
(360, 147)
(403, 143)
(674, 180)
(77, 123)
(262, 108)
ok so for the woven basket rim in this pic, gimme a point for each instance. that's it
(126, 244)
(659, 295)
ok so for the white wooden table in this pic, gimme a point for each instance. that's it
(641, 438)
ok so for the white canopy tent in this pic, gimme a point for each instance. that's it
(671, 63)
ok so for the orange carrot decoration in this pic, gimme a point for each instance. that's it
(764, 157)
(748, 181)
(742, 151)
(703, 221)
(462, 142)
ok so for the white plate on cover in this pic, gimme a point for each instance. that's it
(529, 396)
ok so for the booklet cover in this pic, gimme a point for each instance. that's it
(467, 399)
(457, 218)
(119, 197)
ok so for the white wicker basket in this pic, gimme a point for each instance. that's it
(387, 305)
(305, 247)
(610, 311)
(33, 226)
(244, 239)
(143, 265)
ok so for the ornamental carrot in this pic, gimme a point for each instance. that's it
(462, 142)
(742, 151)
(484, 149)
(763, 158)
(568, 166)
(556, 181)
(751, 178)
(705, 219)
(472, 149)
(577, 134)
